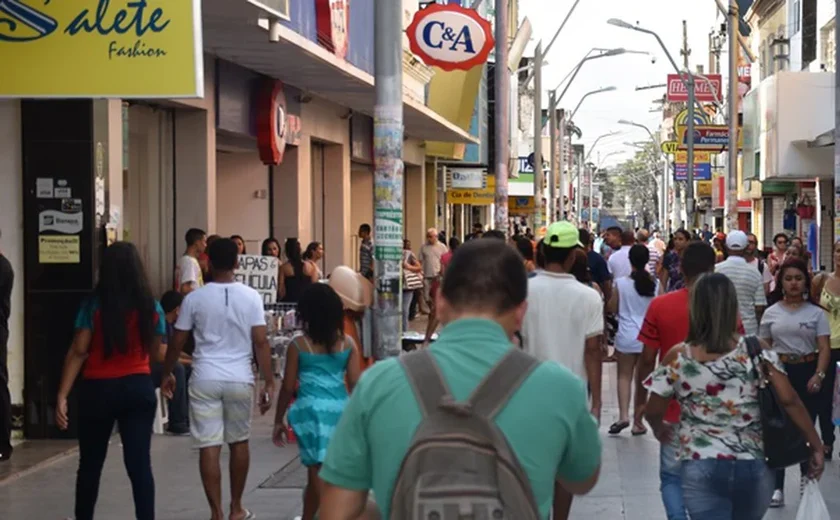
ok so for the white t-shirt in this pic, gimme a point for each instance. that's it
(562, 314)
(221, 316)
(189, 271)
(619, 263)
(766, 277)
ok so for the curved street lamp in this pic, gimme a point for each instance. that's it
(592, 93)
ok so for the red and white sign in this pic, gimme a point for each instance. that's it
(271, 122)
(702, 90)
(333, 23)
(450, 37)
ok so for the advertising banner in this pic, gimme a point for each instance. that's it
(476, 197)
(98, 48)
(704, 91)
(709, 137)
(702, 171)
(259, 273)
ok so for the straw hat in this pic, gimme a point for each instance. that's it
(355, 291)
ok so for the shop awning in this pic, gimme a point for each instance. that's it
(232, 32)
(823, 140)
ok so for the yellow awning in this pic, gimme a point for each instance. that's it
(452, 95)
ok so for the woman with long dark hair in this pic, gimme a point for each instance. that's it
(240, 244)
(630, 301)
(797, 329)
(671, 278)
(711, 376)
(314, 253)
(318, 362)
(270, 247)
(296, 274)
(118, 331)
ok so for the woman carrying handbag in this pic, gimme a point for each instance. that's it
(796, 328)
(723, 445)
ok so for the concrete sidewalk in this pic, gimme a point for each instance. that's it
(628, 488)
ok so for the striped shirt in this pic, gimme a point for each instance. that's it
(366, 258)
(749, 286)
(655, 257)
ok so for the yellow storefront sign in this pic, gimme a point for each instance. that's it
(521, 204)
(669, 147)
(681, 157)
(478, 197)
(101, 48)
(54, 249)
(704, 188)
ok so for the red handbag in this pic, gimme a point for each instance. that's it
(805, 209)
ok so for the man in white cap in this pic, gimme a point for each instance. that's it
(748, 282)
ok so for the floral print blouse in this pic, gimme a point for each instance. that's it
(719, 413)
(671, 263)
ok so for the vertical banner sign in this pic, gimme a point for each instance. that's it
(259, 273)
(388, 224)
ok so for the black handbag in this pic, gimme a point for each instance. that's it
(784, 444)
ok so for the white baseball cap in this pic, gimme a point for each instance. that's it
(736, 241)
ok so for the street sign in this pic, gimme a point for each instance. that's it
(704, 91)
(709, 137)
(702, 171)
(669, 147)
(450, 37)
(681, 157)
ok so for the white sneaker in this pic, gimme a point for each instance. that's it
(778, 499)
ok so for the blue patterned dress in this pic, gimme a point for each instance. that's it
(321, 399)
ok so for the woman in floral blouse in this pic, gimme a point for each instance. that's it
(724, 475)
(671, 278)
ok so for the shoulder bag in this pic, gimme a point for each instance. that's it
(784, 444)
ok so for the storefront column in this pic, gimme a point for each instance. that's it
(337, 211)
(293, 194)
(415, 205)
(431, 199)
(11, 241)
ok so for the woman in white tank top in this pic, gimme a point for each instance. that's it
(630, 300)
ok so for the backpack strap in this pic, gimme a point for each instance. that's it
(503, 380)
(426, 380)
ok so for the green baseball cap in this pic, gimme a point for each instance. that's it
(562, 235)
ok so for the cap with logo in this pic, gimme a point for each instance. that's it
(562, 235)
(736, 241)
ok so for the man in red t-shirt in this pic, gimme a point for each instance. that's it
(665, 326)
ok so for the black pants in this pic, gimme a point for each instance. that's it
(5, 397)
(826, 408)
(130, 402)
(799, 375)
(179, 405)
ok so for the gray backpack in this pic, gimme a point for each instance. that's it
(459, 465)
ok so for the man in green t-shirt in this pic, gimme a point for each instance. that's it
(482, 302)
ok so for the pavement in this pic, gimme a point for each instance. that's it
(628, 488)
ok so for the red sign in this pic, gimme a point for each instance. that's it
(271, 122)
(702, 90)
(450, 37)
(333, 23)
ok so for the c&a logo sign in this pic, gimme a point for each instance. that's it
(450, 37)
(83, 42)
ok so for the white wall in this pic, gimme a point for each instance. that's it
(11, 225)
(804, 109)
(238, 212)
(795, 38)
(825, 14)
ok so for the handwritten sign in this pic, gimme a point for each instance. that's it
(259, 273)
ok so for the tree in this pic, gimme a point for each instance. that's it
(636, 186)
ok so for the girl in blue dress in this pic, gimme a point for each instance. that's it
(323, 365)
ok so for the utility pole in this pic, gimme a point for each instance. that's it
(538, 162)
(560, 162)
(502, 108)
(730, 209)
(554, 204)
(388, 179)
(689, 181)
(686, 51)
(836, 127)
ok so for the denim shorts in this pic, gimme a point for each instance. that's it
(727, 489)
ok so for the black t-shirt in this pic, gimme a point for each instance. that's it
(598, 268)
(7, 278)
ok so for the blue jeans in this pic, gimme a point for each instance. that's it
(179, 406)
(727, 489)
(670, 479)
(407, 296)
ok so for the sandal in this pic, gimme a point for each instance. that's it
(637, 433)
(618, 427)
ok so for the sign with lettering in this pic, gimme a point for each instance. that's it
(669, 147)
(467, 178)
(450, 37)
(101, 48)
(333, 22)
(475, 197)
(704, 91)
(259, 273)
(709, 137)
(271, 122)
(702, 171)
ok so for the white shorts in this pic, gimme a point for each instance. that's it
(220, 412)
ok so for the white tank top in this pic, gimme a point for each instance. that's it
(631, 314)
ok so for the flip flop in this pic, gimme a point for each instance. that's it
(249, 515)
(618, 427)
(636, 433)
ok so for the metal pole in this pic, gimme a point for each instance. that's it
(592, 171)
(689, 185)
(553, 39)
(730, 208)
(552, 176)
(836, 127)
(502, 108)
(557, 166)
(538, 163)
(578, 186)
(388, 180)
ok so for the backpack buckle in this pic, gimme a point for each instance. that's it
(449, 404)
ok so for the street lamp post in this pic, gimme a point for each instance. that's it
(687, 79)
(578, 190)
(663, 193)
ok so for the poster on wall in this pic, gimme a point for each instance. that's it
(259, 273)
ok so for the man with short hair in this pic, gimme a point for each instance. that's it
(643, 238)
(482, 302)
(752, 257)
(619, 261)
(477, 231)
(430, 255)
(748, 282)
(365, 252)
(188, 275)
(597, 265)
(7, 279)
(665, 326)
(227, 320)
(178, 405)
(612, 241)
